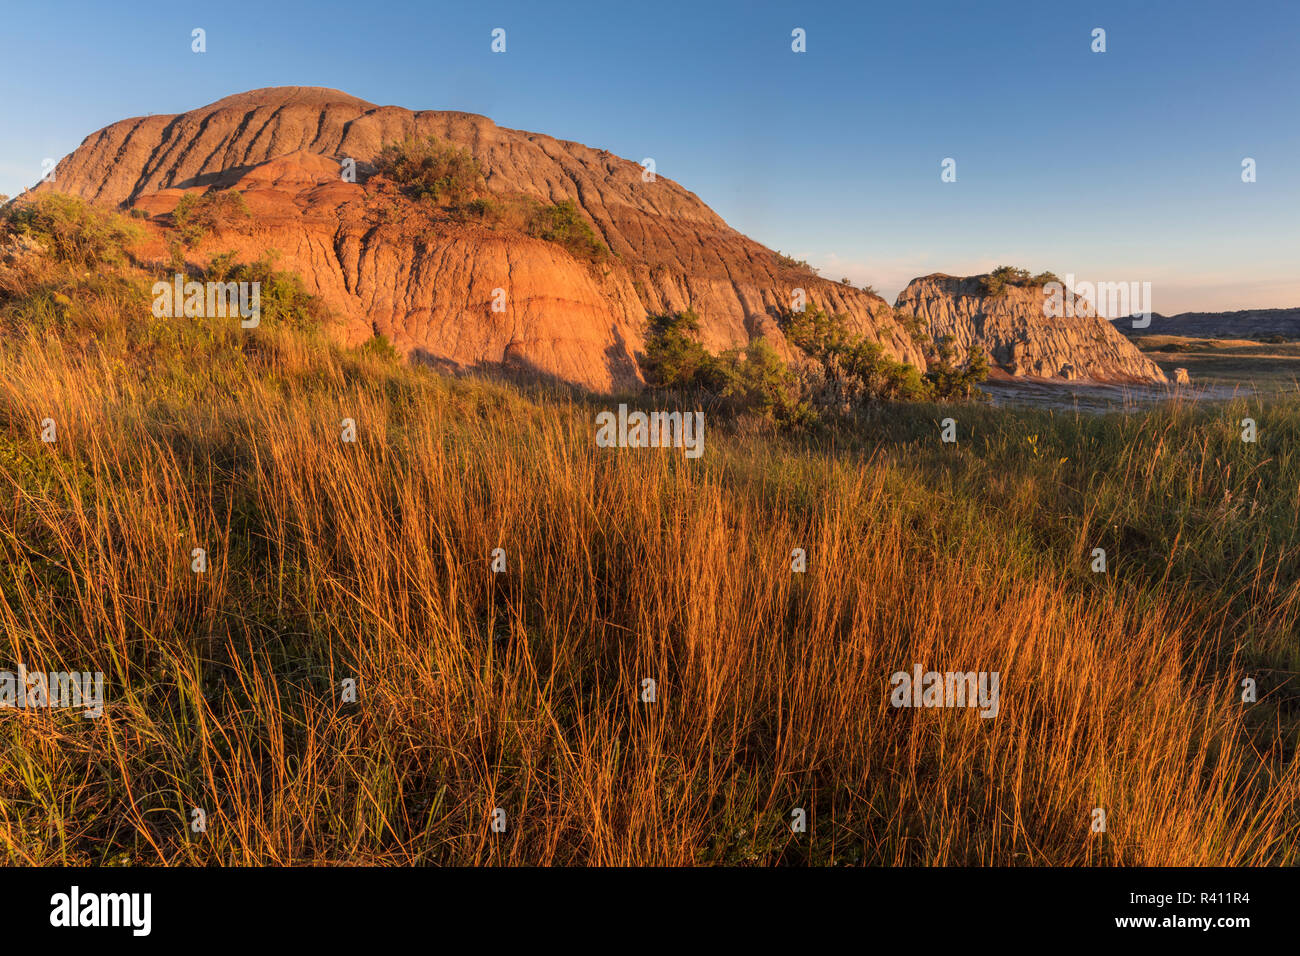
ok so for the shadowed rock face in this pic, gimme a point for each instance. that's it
(429, 285)
(1019, 338)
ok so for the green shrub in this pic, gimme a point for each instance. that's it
(195, 216)
(792, 263)
(756, 381)
(75, 307)
(673, 357)
(947, 380)
(284, 300)
(853, 370)
(749, 381)
(996, 282)
(563, 223)
(73, 230)
(176, 257)
(816, 332)
(482, 209)
(848, 370)
(880, 377)
(381, 348)
(431, 170)
(914, 327)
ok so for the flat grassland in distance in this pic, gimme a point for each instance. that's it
(520, 690)
(1268, 368)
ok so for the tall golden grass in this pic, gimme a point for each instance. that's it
(521, 690)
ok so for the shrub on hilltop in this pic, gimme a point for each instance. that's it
(792, 263)
(996, 282)
(431, 170)
(450, 177)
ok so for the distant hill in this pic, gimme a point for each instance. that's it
(1242, 324)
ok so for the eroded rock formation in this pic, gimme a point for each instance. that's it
(1019, 336)
(429, 285)
(386, 264)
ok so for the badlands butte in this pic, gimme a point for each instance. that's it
(428, 283)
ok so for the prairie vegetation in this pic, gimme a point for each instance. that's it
(198, 215)
(370, 561)
(562, 222)
(449, 177)
(1262, 366)
(74, 233)
(841, 371)
(996, 282)
(429, 169)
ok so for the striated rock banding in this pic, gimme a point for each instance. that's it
(429, 287)
(428, 284)
(1020, 339)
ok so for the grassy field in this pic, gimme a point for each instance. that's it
(1262, 367)
(371, 561)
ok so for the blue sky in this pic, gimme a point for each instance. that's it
(1115, 166)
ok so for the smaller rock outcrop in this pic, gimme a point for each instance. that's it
(1020, 335)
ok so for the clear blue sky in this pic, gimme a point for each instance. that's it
(1116, 167)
